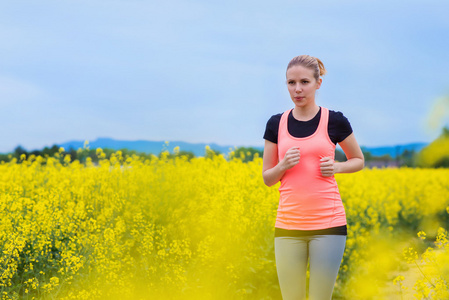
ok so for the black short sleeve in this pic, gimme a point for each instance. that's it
(272, 129)
(339, 127)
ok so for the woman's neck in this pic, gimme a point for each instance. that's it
(305, 113)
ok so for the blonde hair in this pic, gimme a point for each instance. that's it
(309, 62)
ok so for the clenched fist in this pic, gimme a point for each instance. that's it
(327, 167)
(291, 158)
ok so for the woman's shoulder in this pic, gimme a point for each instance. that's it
(275, 119)
(339, 126)
(337, 117)
(271, 130)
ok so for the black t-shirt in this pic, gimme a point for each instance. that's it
(338, 129)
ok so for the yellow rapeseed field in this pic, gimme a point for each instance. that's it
(173, 228)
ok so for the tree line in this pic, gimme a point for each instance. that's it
(434, 155)
(244, 153)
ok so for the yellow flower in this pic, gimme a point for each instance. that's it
(422, 235)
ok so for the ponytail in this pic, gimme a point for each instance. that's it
(310, 62)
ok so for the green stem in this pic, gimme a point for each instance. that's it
(424, 275)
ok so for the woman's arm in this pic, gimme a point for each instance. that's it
(355, 160)
(273, 170)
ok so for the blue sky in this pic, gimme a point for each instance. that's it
(214, 71)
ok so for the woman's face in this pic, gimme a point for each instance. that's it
(302, 85)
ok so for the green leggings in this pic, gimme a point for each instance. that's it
(292, 253)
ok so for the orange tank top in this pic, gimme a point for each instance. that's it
(308, 201)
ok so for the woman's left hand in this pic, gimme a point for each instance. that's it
(327, 166)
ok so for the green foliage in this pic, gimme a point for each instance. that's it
(436, 154)
(367, 155)
(246, 154)
(405, 159)
(81, 154)
(210, 153)
(408, 158)
(340, 155)
(188, 154)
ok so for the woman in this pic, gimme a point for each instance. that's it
(299, 151)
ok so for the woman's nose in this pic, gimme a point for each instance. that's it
(298, 88)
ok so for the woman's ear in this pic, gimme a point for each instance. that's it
(318, 83)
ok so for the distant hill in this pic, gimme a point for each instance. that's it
(198, 149)
(394, 151)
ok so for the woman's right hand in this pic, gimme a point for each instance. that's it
(273, 169)
(291, 158)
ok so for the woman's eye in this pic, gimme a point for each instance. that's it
(305, 81)
(291, 82)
